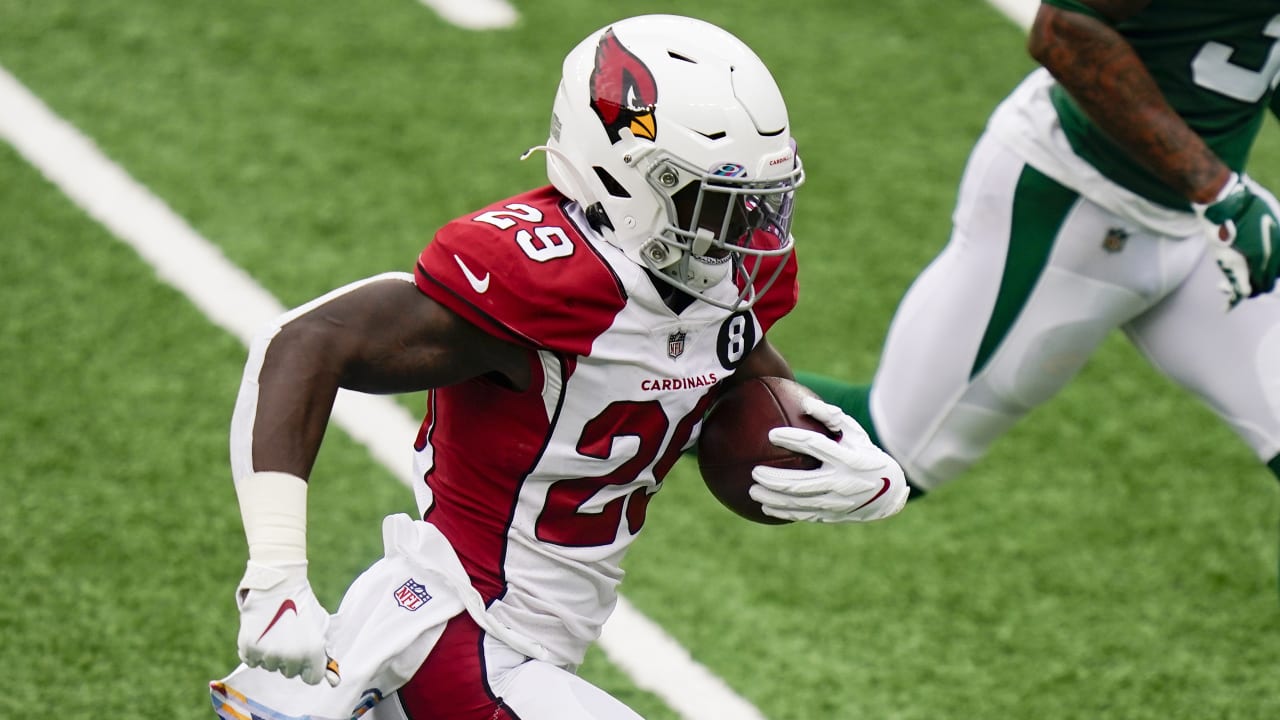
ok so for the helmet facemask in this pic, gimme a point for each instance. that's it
(719, 224)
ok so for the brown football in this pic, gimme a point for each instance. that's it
(735, 438)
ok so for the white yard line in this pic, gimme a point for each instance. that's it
(475, 14)
(657, 663)
(234, 301)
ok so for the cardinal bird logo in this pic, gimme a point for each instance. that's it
(623, 91)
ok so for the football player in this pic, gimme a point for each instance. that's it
(660, 252)
(1107, 191)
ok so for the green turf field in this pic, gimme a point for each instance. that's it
(1114, 557)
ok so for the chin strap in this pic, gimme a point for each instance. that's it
(703, 273)
(701, 242)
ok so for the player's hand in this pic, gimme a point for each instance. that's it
(857, 481)
(282, 624)
(1247, 242)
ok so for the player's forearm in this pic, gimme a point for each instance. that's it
(280, 416)
(282, 411)
(1107, 79)
(763, 361)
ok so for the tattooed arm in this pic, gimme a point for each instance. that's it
(1104, 75)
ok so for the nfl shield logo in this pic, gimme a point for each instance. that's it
(675, 344)
(412, 595)
(1115, 239)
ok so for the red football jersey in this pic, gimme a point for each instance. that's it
(541, 491)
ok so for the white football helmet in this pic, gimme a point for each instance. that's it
(674, 135)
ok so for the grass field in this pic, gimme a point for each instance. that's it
(1114, 557)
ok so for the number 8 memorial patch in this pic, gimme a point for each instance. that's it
(737, 338)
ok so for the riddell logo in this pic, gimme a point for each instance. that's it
(680, 383)
(780, 160)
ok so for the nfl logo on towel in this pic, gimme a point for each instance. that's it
(412, 595)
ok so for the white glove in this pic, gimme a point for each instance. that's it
(282, 624)
(857, 481)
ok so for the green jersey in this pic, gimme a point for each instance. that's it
(1217, 63)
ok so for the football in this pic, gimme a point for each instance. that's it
(735, 438)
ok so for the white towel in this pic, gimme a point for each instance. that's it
(387, 623)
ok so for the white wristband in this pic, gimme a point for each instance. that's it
(273, 507)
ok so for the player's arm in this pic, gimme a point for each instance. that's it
(383, 336)
(1077, 42)
(764, 360)
(379, 336)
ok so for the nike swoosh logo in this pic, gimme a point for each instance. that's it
(883, 489)
(480, 285)
(284, 607)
